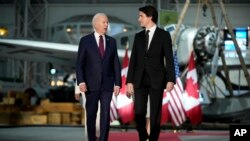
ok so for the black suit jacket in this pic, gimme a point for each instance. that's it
(152, 60)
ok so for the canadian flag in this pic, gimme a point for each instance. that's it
(125, 105)
(164, 109)
(192, 103)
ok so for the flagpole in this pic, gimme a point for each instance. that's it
(181, 17)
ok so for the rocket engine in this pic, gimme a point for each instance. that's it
(207, 42)
(203, 41)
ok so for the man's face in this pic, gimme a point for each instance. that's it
(143, 19)
(101, 24)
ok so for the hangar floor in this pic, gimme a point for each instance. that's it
(76, 133)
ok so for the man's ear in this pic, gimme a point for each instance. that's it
(151, 18)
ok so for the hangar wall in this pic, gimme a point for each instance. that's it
(237, 14)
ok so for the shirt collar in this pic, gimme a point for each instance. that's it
(152, 29)
(97, 35)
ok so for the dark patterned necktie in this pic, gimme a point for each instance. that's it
(101, 46)
(146, 39)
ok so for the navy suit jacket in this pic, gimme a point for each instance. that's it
(98, 73)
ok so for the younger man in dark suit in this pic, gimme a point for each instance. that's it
(151, 70)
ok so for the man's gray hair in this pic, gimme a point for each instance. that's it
(96, 16)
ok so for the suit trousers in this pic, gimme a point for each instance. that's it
(92, 99)
(83, 102)
(141, 98)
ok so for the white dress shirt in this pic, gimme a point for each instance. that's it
(97, 38)
(150, 34)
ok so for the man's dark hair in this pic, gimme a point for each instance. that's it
(150, 11)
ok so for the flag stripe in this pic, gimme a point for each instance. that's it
(173, 117)
(176, 105)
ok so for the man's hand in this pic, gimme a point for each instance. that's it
(169, 86)
(130, 90)
(83, 87)
(77, 96)
(116, 90)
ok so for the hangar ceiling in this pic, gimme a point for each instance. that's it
(118, 1)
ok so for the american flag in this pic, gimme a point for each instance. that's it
(175, 106)
(113, 109)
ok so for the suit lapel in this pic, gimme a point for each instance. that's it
(107, 46)
(95, 45)
(143, 37)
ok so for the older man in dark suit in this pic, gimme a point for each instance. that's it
(151, 69)
(98, 74)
